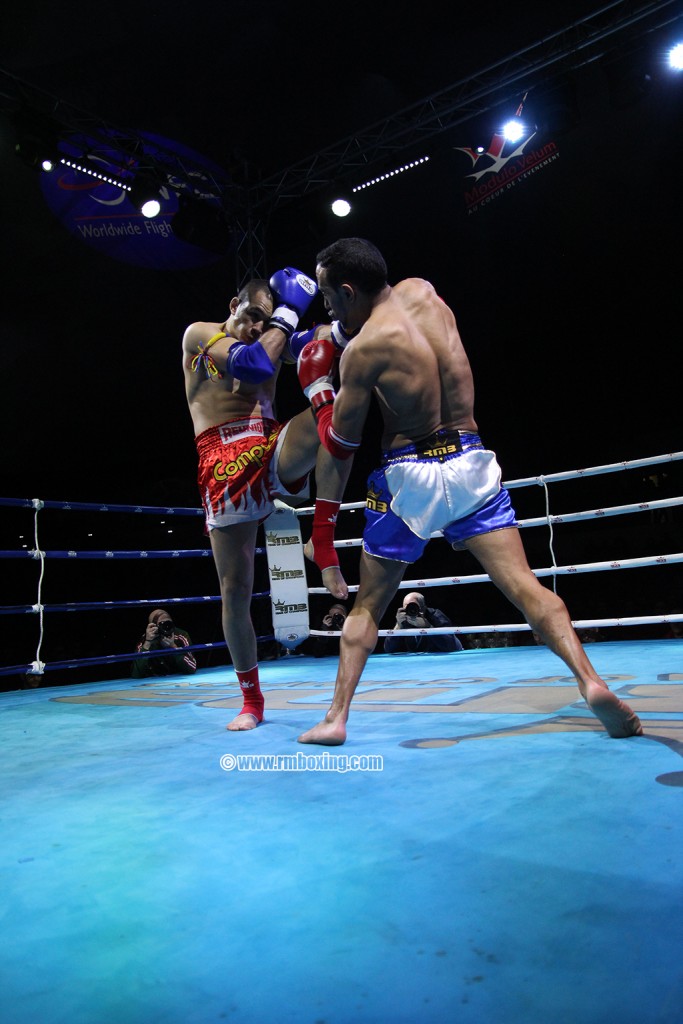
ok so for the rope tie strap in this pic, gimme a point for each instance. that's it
(206, 361)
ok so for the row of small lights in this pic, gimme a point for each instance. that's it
(342, 207)
(48, 166)
(513, 131)
(150, 209)
(390, 174)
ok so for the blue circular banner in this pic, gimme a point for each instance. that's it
(88, 191)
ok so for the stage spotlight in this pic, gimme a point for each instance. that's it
(144, 195)
(676, 57)
(340, 207)
(513, 130)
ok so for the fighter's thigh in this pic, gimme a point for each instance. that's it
(299, 447)
(233, 551)
(379, 580)
(501, 554)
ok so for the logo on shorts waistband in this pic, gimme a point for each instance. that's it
(441, 452)
(229, 432)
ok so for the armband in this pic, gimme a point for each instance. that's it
(250, 363)
(338, 446)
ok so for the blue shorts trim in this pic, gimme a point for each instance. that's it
(387, 536)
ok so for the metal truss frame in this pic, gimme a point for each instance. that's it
(619, 23)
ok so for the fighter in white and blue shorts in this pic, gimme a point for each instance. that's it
(447, 482)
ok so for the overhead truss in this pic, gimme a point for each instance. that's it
(615, 25)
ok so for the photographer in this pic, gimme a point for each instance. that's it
(414, 614)
(162, 634)
(325, 646)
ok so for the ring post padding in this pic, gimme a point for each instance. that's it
(288, 586)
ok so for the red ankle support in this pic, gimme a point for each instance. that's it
(251, 691)
(322, 537)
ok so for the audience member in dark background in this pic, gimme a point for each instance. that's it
(161, 633)
(415, 614)
(326, 646)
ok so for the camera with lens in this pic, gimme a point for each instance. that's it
(413, 610)
(166, 628)
(337, 620)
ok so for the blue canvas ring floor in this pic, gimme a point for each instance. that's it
(479, 850)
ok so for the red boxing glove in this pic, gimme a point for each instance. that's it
(316, 367)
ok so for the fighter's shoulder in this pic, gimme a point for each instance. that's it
(367, 352)
(199, 333)
(414, 286)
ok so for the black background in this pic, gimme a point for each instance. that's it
(566, 287)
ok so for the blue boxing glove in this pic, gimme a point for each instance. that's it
(293, 292)
(299, 339)
(249, 363)
(296, 343)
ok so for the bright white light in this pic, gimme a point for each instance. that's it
(151, 208)
(341, 208)
(676, 57)
(47, 164)
(513, 130)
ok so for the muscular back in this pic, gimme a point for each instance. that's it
(410, 353)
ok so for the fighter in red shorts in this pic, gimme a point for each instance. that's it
(238, 471)
(246, 458)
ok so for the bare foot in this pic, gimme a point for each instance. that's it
(617, 717)
(245, 720)
(250, 716)
(328, 734)
(332, 577)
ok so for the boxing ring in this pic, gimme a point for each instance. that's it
(478, 851)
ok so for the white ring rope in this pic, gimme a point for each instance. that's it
(612, 467)
(554, 570)
(575, 474)
(518, 627)
(559, 570)
(548, 520)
